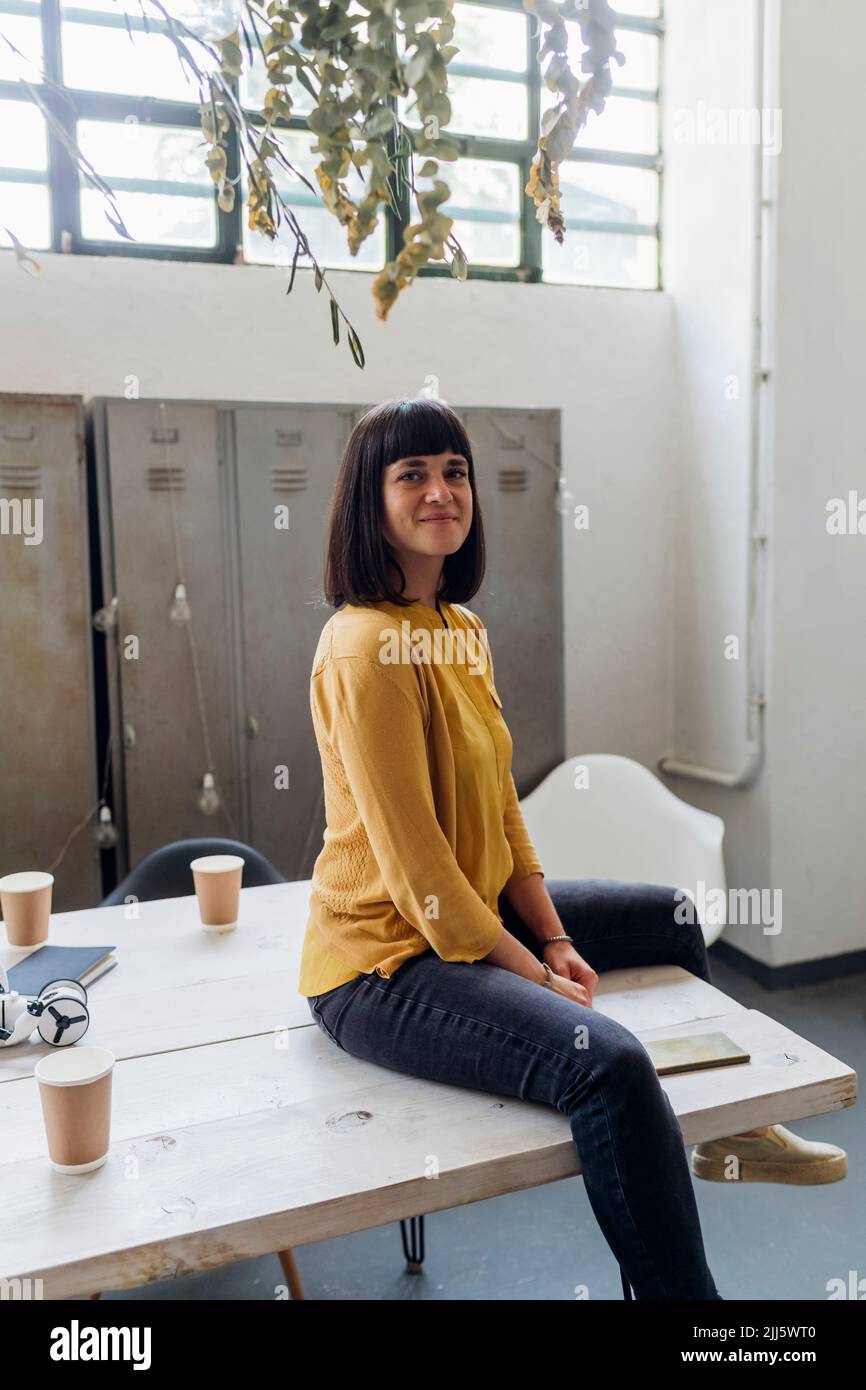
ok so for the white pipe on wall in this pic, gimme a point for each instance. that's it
(763, 317)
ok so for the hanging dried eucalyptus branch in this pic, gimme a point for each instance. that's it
(355, 66)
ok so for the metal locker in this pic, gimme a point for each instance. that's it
(47, 725)
(516, 455)
(163, 493)
(286, 460)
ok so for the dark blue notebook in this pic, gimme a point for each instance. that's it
(84, 963)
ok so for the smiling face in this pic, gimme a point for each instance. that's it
(415, 491)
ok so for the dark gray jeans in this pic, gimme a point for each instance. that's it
(477, 1025)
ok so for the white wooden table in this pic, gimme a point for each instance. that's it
(238, 1129)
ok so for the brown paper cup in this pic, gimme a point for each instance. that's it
(217, 879)
(75, 1091)
(26, 902)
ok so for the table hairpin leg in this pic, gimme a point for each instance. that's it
(626, 1287)
(293, 1278)
(412, 1234)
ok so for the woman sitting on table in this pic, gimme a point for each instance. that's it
(434, 946)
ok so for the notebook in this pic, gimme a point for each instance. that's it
(695, 1052)
(84, 963)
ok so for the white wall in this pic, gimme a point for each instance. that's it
(709, 271)
(818, 743)
(799, 830)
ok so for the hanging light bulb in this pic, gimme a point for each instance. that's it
(564, 497)
(104, 619)
(209, 801)
(106, 832)
(180, 609)
(208, 19)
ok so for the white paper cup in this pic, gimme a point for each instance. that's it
(75, 1091)
(217, 879)
(26, 902)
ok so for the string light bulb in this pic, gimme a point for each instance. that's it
(106, 832)
(208, 801)
(180, 611)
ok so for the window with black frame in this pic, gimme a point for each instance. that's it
(120, 92)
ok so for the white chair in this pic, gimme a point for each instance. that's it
(598, 815)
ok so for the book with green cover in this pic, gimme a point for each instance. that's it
(695, 1052)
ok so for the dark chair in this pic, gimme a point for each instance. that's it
(165, 873)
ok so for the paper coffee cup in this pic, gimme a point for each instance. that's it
(217, 879)
(75, 1090)
(26, 902)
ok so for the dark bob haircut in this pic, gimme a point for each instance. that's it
(360, 565)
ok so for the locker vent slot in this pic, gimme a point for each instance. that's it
(162, 477)
(288, 478)
(513, 479)
(20, 477)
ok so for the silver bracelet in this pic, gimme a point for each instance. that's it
(548, 939)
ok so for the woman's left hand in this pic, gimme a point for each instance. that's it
(564, 960)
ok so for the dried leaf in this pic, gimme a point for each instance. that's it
(294, 266)
(355, 345)
(22, 255)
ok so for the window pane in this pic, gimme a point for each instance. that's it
(479, 106)
(490, 38)
(601, 258)
(23, 137)
(100, 58)
(24, 207)
(640, 51)
(641, 66)
(609, 193)
(157, 155)
(326, 236)
(644, 9)
(27, 212)
(203, 17)
(485, 204)
(626, 124)
(483, 107)
(26, 35)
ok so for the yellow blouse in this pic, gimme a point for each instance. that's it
(423, 826)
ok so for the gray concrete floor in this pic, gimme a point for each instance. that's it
(764, 1241)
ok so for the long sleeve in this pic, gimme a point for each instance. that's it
(523, 853)
(374, 721)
